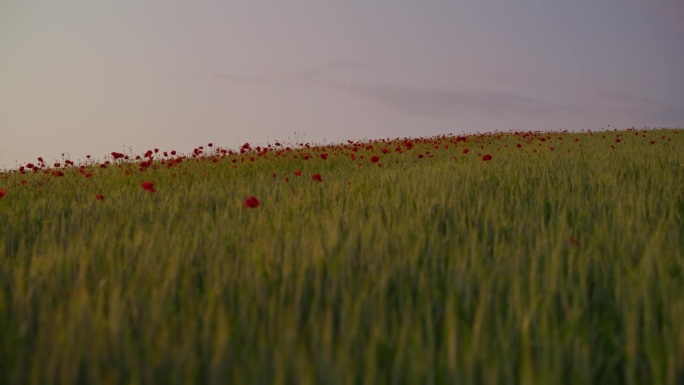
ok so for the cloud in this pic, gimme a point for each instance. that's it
(648, 110)
(673, 10)
(455, 105)
(243, 79)
(346, 65)
(445, 103)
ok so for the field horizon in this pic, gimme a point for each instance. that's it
(508, 257)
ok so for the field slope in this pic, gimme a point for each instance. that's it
(528, 258)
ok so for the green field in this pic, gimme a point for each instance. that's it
(560, 260)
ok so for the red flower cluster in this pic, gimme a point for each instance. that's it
(360, 152)
(148, 186)
(252, 202)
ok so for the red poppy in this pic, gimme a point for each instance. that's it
(148, 186)
(317, 177)
(324, 156)
(252, 202)
(3, 193)
(374, 159)
(574, 242)
(99, 197)
(486, 157)
(117, 155)
(298, 172)
(465, 151)
(57, 173)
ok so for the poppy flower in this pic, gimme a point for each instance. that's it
(148, 186)
(298, 173)
(317, 177)
(324, 156)
(57, 173)
(374, 159)
(486, 157)
(3, 193)
(574, 242)
(99, 197)
(252, 202)
(465, 151)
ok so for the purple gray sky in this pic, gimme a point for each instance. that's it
(90, 77)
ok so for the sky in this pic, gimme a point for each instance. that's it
(84, 77)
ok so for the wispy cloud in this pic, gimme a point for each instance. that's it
(243, 78)
(455, 104)
(346, 65)
(656, 112)
(444, 103)
(673, 10)
(503, 105)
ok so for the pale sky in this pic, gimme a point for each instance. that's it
(95, 76)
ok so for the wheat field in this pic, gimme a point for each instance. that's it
(528, 257)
